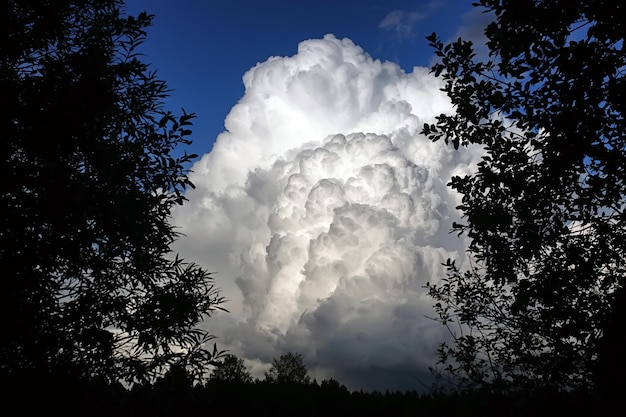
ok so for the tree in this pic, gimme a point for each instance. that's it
(89, 181)
(231, 368)
(288, 368)
(544, 211)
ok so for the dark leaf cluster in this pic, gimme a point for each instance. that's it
(90, 179)
(544, 209)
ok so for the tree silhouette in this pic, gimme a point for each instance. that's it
(544, 212)
(89, 183)
(231, 368)
(288, 368)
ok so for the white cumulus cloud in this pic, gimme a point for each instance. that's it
(325, 212)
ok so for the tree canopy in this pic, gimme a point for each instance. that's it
(290, 368)
(90, 285)
(231, 368)
(541, 297)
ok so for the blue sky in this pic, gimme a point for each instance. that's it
(203, 48)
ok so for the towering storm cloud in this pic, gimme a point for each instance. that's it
(325, 212)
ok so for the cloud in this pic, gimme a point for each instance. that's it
(474, 23)
(401, 22)
(325, 213)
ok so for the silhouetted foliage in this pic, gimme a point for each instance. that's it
(231, 368)
(288, 368)
(89, 182)
(333, 385)
(174, 395)
(544, 212)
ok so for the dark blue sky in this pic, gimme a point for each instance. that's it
(203, 48)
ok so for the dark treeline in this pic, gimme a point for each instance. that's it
(176, 395)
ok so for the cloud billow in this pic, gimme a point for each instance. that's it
(326, 212)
